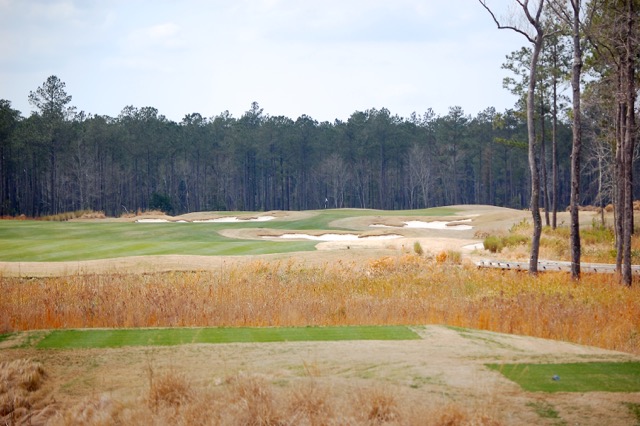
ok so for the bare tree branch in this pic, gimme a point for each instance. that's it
(507, 27)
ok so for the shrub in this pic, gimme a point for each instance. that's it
(454, 257)
(597, 234)
(515, 240)
(441, 257)
(161, 202)
(169, 389)
(522, 226)
(493, 243)
(417, 248)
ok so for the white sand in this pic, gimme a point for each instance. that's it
(337, 237)
(235, 219)
(432, 225)
(230, 219)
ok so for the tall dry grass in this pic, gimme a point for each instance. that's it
(78, 214)
(22, 400)
(171, 399)
(407, 289)
(252, 400)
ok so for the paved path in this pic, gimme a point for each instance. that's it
(545, 265)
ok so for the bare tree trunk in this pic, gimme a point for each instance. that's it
(537, 39)
(554, 153)
(535, 178)
(546, 199)
(600, 189)
(628, 141)
(619, 187)
(577, 143)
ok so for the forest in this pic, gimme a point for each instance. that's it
(59, 159)
(141, 160)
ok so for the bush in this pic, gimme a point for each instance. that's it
(441, 257)
(449, 256)
(493, 244)
(515, 240)
(522, 226)
(161, 202)
(417, 248)
(454, 257)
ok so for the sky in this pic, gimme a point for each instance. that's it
(322, 58)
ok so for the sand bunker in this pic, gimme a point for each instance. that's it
(235, 219)
(453, 226)
(230, 219)
(338, 237)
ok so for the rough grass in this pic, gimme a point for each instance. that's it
(21, 399)
(597, 243)
(574, 377)
(402, 290)
(243, 399)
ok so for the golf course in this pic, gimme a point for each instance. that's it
(338, 316)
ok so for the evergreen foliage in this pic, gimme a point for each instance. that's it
(141, 160)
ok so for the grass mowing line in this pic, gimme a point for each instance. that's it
(22, 241)
(41, 241)
(71, 339)
(574, 377)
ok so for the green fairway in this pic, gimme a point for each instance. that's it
(26, 241)
(41, 241)
(70, 339)
(574, 377)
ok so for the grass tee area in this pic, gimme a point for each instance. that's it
(72, 339)
(574, 377)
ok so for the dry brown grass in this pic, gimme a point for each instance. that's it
(252, 400)
(78, 214)
(21, 398)
(404, 289)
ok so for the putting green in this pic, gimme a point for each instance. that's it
(114, 338)
(574, 377)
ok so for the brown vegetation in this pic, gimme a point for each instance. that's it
(21, 398)
(239, 400)
(406, 289)
(252, 400)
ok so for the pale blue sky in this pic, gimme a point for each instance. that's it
(323, 58)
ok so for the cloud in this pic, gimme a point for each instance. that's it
(325, 59)
(164, 35)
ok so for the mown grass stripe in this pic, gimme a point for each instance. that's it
(574, 377)
(40, 241)
(115, 338)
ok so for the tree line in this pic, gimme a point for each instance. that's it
(59, 160)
